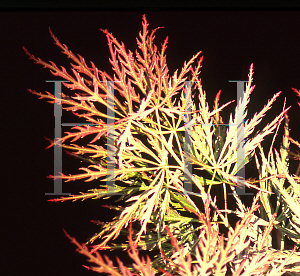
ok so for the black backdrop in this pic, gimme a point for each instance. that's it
(230, 41)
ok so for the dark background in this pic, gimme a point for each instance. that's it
(230, 41)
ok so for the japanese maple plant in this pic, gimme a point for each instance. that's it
(187, 229)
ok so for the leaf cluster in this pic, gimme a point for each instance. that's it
(150, 124)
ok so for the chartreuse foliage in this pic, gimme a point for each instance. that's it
(150, 168)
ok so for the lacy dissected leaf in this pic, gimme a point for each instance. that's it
(150, 116)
